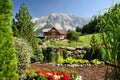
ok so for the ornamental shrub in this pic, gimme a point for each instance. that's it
(95, 61)
(49, 54)
(41, 77)
(97, 51)
(60, 59)
(65, 53)
(72, 36)
(73, 75)
(8, 60)
(101, 53)
(29, 74)
(24, 52)
(69, 60)
(52, 57)
(38, 56)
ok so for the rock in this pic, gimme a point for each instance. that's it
(70, 48)
(81, 51)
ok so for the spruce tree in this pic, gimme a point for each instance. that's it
(23, 26)
(8, 61)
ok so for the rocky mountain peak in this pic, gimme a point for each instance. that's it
(67, 21)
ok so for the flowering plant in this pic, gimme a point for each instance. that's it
(54, 75)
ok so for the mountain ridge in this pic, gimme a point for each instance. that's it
(66, 21)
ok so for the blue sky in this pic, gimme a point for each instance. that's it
(84, 8)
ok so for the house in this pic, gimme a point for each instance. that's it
(55, 33)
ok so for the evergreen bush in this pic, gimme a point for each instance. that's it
(96, 50)
(8, 60)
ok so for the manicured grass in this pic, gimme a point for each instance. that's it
(83, 41)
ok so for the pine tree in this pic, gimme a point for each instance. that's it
(8, 61)
(23, 26)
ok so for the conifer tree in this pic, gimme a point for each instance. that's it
(23, 26)
(8, 60)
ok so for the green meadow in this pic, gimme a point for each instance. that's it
(84, 41)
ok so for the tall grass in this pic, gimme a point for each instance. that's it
(110, 29)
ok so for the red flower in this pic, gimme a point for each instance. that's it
(40, 72)
(51, 77)
(65, 77)
(59, 73)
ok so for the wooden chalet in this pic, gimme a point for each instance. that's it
(55, 33)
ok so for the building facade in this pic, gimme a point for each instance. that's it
(54, 34)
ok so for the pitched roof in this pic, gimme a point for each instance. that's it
(46, 30)
(59, 29)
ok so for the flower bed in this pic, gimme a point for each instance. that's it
(54, 75)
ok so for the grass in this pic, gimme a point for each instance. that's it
(83, 41)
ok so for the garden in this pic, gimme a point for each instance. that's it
(25, 57)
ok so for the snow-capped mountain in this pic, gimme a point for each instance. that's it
(66, 21)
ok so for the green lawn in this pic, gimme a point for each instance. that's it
(83, 41)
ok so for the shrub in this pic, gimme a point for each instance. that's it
(81, 61)
(72, 36)
(69, 60)
(47, 52)
(65, 53)
(24, 52)
(73, 75)
(8, 60)
(79, 56)
(60, 59)
(95, 61)
(97, 52)
(52, 57)
(38, 56)
(101, 53)
(41, 77)
(29, 74)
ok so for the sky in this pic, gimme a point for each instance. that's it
(83, 8)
